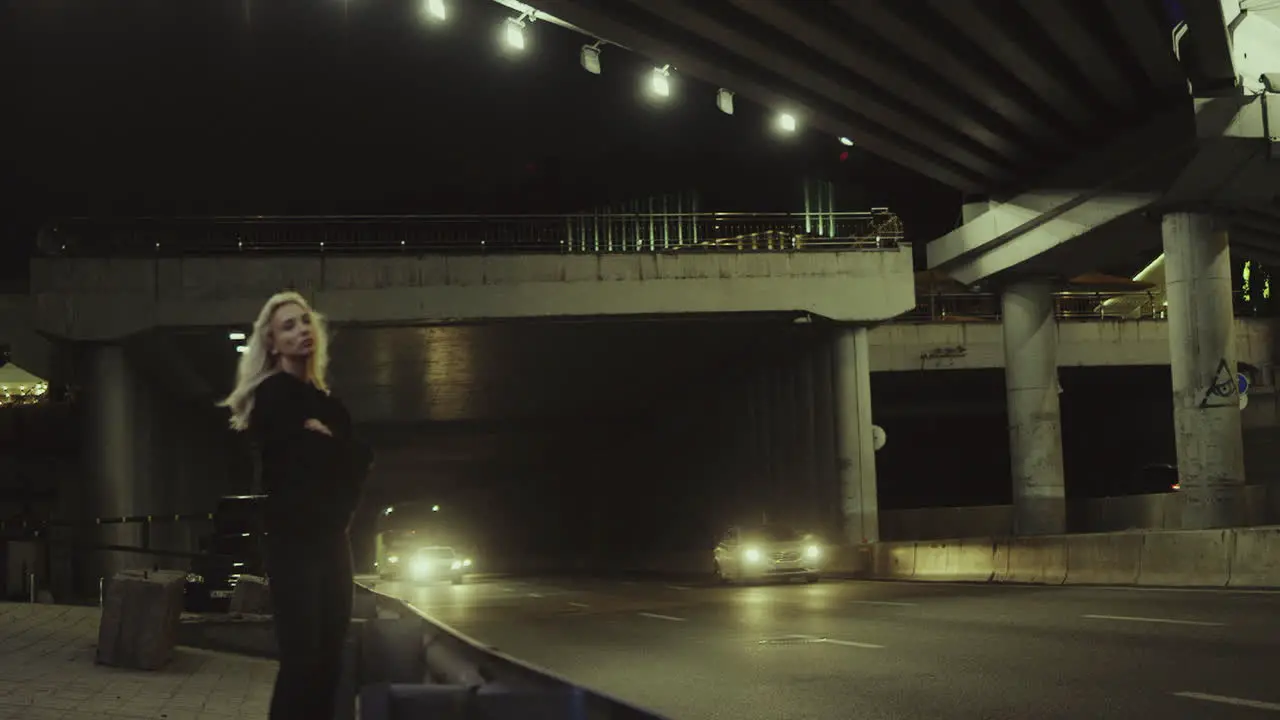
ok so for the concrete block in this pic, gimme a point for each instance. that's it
(252, 596)
(1039, 560)
(140, 615)
(896, 560)
(364, 605)
(931, 560)
(1187, 558)
(1104, 558)
(971, 560)
(391, 650)
(1255, 561)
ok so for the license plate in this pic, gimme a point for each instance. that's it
(220, 593)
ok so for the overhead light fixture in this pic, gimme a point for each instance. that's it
(787, 122)
(436, 10)
(236, 336)
(515, 33)
(660, 81)
(846, 142)
(591, 58)
(242, 348)
(724, 101)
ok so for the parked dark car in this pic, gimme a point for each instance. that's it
(235, 549)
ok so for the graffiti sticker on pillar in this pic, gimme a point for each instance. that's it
(1222, 389)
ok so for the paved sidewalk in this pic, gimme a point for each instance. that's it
(47, 672)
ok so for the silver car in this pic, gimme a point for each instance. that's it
(764, 552)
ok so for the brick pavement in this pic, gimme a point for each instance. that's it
(47, 672)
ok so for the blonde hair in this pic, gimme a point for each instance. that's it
(257, 363)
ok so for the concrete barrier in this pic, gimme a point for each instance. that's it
(1255, 560)
(895, 560)
(1038, 560)
(1187, 558)
(1104, 558)
(971, 560)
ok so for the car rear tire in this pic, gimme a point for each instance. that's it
(812, 578)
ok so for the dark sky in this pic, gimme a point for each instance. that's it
(363, 106)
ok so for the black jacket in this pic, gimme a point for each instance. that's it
(313, 482)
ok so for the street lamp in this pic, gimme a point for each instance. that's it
(787, 122)
(515, 33)
(660, 81)
(591, 58)
(437, 10)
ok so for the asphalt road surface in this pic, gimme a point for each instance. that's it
(880, 650)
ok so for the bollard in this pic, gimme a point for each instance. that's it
(101, 586)
(31, 586)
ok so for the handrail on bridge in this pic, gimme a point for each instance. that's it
(1068, 305)
(569, 233)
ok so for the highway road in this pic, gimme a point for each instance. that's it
(884, 650)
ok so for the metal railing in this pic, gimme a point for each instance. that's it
(1073, 305)
(471, 234)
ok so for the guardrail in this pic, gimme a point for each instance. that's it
(574, 233)
(1068, 305)
(413, 667)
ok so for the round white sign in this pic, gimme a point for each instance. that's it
(878, 437)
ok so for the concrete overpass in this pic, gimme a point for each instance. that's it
(1084, 132)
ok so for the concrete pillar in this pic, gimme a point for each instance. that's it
(114, 470)
(854, 449)
(1202, 360)
(1035, 422)
(807, 486)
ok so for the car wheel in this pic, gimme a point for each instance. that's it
(720, 576)
(812, 578)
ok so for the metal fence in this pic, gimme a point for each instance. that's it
(1073, 305)
(577, 233)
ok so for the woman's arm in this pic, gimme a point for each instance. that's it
(280, 413)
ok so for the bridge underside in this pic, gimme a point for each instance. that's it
(981, 96)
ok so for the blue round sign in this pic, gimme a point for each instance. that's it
(1242, 383)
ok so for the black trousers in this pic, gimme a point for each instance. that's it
(311, 590)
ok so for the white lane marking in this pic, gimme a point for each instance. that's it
(578, 604)
(884, 602)
(677, 587)
(535, 595)
(656, 616)
(833, 641)
(850, 643)
(507, 589)
(1225, 700)
(1166, 621)
(1068, 588)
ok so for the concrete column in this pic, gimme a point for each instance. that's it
(1035, 422)
(1202, 360)
(807, 485)
(114, 469)
(972, 206)
(854, 448)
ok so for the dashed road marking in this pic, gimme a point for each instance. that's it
(851, 643)
(1164, 621)
(656, 616)
(888, 603)
(535, 595)
(1226, 700)
(677, 587)
(579, 605)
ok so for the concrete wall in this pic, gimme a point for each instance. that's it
(98, 298)
(1114, 514)
(973, 345)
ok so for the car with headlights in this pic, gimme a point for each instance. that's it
(766, 552)
(434, 563)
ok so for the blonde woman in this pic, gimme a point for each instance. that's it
(312, 472)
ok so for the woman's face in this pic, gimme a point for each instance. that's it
(291, 333)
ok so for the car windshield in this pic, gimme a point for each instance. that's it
(772, 533)
(438, 553)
